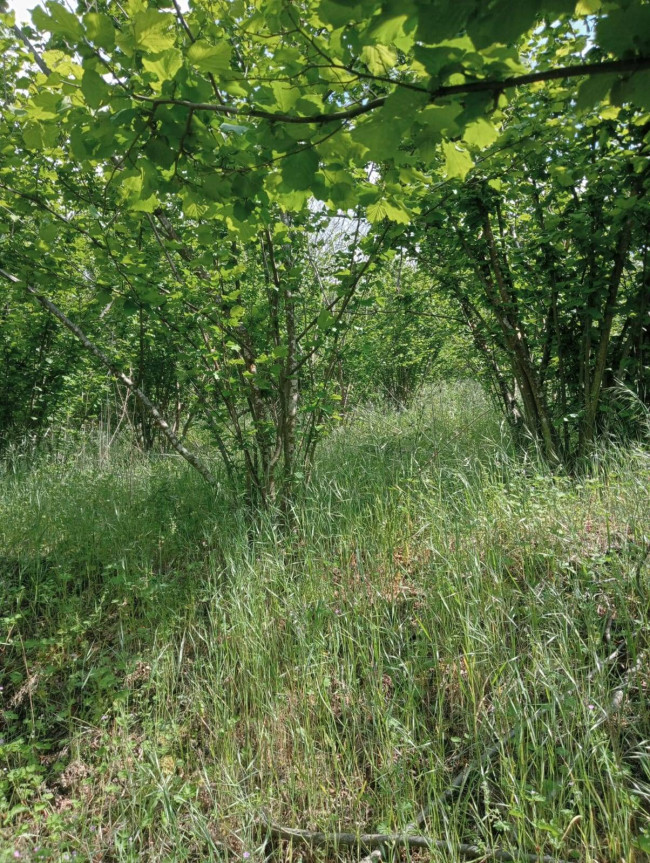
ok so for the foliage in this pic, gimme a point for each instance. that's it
(255, 217)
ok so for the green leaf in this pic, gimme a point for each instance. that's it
(376, 212)
(563, 176)
(33, 136)
(299, 169)
(293, 201)
(635, 90)
(40, 19)
(642, 842)
(342, 196)
(481, 133)
(210, 58)
(62, 22)
(458, 162)
(594, 90)
(44, 105)
(145, 205)
(100, 29)
(233, 128)
(78, 143)
(286, 96)
(325, 320)
(130, 183)
(164, 66)
(193, 206)
(502, 22)
(398, 30)
(588, 7)
(96, 91)
(381, 138)
(450, 19)
(310, 105)
(379, 59)
(441, 119)
(338, 14)
(48, 232)
(384, 208)
(160, 153)
(397, 213)
(404, 104)
(625, 31)
(218, 188)
(152, 31)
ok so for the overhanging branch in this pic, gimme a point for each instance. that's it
(495, 86)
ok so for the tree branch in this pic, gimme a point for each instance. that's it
(42, 65)
(609, 67)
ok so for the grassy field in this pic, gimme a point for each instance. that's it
(171, 676)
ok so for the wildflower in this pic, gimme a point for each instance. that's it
(246, 855)
(17, 854)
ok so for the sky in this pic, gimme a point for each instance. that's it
(21, 7)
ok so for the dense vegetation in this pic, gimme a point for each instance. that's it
(324, 398)
(170, 675)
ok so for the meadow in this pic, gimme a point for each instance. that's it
(450, 640)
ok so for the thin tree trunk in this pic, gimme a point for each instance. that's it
(503, 308)
(474, 321)
(517, 336)
(591, 407)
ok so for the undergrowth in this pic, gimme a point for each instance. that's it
(171, 674)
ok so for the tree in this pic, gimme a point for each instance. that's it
(547, 245)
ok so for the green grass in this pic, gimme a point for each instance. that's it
(170, 673)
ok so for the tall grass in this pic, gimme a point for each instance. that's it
(170, 674)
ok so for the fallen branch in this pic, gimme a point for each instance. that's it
(456, 784)
(376, 840)
(459, 780)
